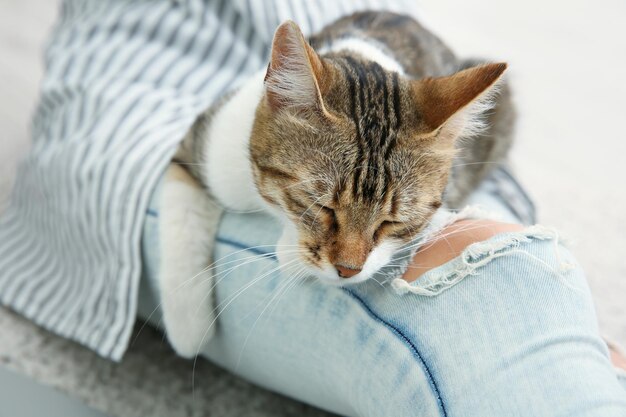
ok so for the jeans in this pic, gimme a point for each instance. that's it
(508, 328)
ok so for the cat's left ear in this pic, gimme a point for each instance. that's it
(295, 72)
(459, 97)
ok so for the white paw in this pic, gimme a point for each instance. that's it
(187, 225)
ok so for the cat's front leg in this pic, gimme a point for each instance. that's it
(188, 222)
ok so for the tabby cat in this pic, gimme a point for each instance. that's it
(354, 139)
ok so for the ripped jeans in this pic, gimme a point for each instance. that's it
(506, 329)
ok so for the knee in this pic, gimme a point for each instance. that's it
(451, 242)
(525, 256)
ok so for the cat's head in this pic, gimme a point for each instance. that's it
(354, 156)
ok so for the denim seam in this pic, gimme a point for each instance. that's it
(523, 193)
(226, 241)
(407, 341)
(240, 245)
(512, 208)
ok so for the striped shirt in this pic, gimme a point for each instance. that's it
(124, 82)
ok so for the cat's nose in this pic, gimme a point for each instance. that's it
(346, 272)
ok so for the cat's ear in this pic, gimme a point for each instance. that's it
(294, 73)
(465, 94)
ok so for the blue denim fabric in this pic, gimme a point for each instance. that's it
(517, 336)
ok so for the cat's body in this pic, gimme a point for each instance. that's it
(344, 144)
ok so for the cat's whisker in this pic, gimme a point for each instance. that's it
(255, 280)
(145, 323)
(230, 301)
(158, 306)
(314, 221)
(247, 249)
(286, 271)
(242, 261)
(234, 211)
(377, 282)
(479, 163)
(205, 270)
(300, 273)
(224, 274)
(463, 228)
(312, 204)
(410, 266)
(332, 162)
(278, 291)
(240, 291)
(427, 244)
(314, 179)
(187, 163)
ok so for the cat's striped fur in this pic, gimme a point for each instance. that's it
(358, 144)
(422, 54)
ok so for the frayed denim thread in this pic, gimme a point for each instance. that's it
(477, 255)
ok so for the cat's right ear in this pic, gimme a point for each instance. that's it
(295, 72)
(466, 94)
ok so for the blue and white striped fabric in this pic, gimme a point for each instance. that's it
(124, 81)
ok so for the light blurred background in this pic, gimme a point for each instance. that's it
(568, 69)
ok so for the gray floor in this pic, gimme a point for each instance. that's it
(22, 397)
(567, 65)
(150, 381)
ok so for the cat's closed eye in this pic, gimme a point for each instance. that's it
(327, 209)
(330, 212)
(385, 226)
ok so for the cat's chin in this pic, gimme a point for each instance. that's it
(377, 259)
(329, 276)
(290, 260)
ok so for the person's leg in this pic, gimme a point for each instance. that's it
(529, 303)
(618, 359)
(511, 332)
(451, 242)
(515, 335)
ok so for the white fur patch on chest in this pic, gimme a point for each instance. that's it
(367, 49)
(228, 171)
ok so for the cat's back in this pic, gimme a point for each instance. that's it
(417, 50)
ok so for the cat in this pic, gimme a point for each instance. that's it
(353, 139)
